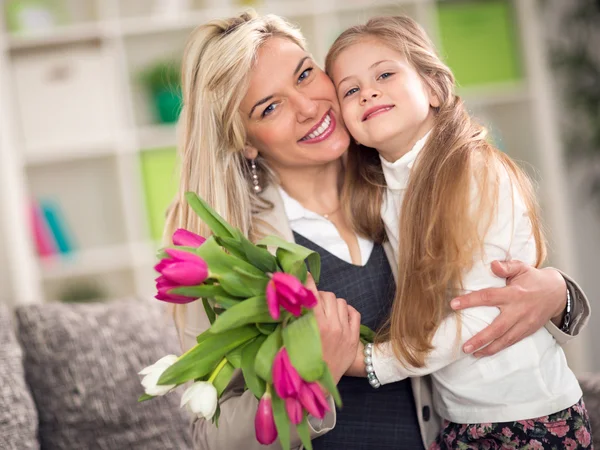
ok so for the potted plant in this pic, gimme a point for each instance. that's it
(162, 80)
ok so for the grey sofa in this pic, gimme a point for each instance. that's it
(68, 378)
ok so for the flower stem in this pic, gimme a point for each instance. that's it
(217, 370)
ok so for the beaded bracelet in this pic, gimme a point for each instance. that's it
(373, 380)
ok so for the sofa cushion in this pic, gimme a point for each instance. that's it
(18, 417)
(81, 363)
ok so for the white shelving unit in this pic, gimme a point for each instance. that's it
(81, 141)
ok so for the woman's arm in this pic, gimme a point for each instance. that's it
(532, 298)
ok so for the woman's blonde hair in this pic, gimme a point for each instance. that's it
(217, 61)
(439, 228)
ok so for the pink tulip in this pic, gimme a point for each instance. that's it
(286, 378)
(183, 268)
(187, 238)
(294, 410)
(264, 423)
(313, 399)
(287, 291)
(163, 286)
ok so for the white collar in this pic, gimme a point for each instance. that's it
(397, 173)
(294, 209)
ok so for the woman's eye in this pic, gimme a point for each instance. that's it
(269, 109)
(385, 75)
(350, 92)
(305, 74)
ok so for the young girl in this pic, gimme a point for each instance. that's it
(450, 204)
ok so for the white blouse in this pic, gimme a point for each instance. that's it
(527, 380)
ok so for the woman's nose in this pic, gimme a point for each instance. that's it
(307, 107)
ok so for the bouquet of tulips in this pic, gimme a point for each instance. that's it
(261, 322)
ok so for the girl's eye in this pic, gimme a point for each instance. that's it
(269, 109)
(304, 74)
(385, 75)
(350, 92)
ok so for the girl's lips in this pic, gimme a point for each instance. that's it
(376, 111)
(325, 134)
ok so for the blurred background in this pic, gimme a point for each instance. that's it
(89, 98)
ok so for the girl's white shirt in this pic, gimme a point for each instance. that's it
(527, 380)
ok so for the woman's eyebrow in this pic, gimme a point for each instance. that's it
(266, 99)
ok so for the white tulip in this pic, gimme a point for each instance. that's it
(200, 399)
(153, 373)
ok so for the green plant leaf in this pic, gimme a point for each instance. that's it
(282, 421)
(201, 359)
(145, 397)
(302, 340)
(259, 257)
(253, 381)
(235, 355)
(313, 258)
(209, 216)
(202, 291)
(266, 354)
(209, 311)
(366, 333)
(330, 386)
(223, 378)
(292, 264)
(266, 328)
(226, 302)
(304, 433)
(217, 415)
(233, 246)
(248, 311)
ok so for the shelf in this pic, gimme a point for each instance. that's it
(495, 94)
(86, 262)
(68, 34)
(45, 153)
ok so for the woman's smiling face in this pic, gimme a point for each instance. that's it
(291, 112)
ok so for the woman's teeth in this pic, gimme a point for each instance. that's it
(321, 129)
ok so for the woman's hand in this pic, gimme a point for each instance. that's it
(339, 325)
(530, 299)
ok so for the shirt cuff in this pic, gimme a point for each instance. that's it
(325, 424)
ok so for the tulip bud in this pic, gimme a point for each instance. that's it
(163, 286)
(200, 399)
(286, 379)
(294, 410)
(187, 238)
(264, 422)
(153, 373)
(183, 268)
(287, 291)
(313, 399)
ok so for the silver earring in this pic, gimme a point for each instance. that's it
(255, 182)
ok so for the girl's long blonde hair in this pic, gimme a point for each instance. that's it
(217, 61)
(439, 227)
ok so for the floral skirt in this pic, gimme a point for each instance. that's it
(568, 429)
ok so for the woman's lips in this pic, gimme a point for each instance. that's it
(325, 134)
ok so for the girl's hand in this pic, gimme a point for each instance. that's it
(339, 325)
(531, 298)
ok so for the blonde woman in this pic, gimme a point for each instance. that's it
(263, 141)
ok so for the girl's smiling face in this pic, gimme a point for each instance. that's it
(384, 101)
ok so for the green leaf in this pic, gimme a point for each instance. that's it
(203, 336)
(201, 359)
(215, 418)
(253, 381)
(292, 264)
(303, 343)
(223, 378)
(235, 355)
(233, 246)
(266, 328)
(313, 258)
(266, 355)
(209, 311)
(202, 291)
(366, 333)
(304, 433)
(209, 216)
(226, 302)
(329, 385)
(259, 257)
(282, 421)
(248, 311)
(145, 397)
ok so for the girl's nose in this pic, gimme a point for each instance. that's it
(370, 94)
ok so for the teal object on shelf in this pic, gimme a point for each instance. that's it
(168, 105)
(57, 225)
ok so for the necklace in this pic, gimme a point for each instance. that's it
(330, 213)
